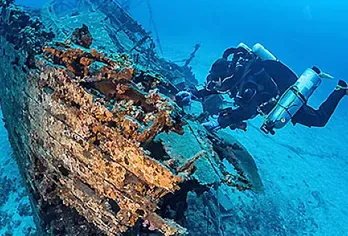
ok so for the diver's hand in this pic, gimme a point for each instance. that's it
(183, 98)
(211, 125)
(241, 125)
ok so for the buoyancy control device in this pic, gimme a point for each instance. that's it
(292, 100)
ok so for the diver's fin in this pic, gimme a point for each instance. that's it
(324, 75)
(342, 86)
(321, 74)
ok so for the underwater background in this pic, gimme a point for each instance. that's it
(304, 171)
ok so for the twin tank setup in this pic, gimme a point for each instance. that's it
(294, 98)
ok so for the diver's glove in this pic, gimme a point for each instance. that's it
(241, 125)
(211, 125)
(183, 98)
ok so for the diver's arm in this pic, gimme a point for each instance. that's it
(183, 98)
(229, 116)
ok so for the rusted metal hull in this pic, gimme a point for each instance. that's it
(98, 138)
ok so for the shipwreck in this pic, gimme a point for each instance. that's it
(104, 149)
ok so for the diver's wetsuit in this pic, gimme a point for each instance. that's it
(265, 80)
(310, 117)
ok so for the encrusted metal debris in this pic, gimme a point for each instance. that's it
(82, 36)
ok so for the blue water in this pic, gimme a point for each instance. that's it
(300, 32)
(298, 163)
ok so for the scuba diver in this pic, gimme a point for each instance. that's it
(261, 84)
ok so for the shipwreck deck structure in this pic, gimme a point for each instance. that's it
(103, 147)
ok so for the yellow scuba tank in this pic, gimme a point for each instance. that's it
(263, 53)
(292, 100)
